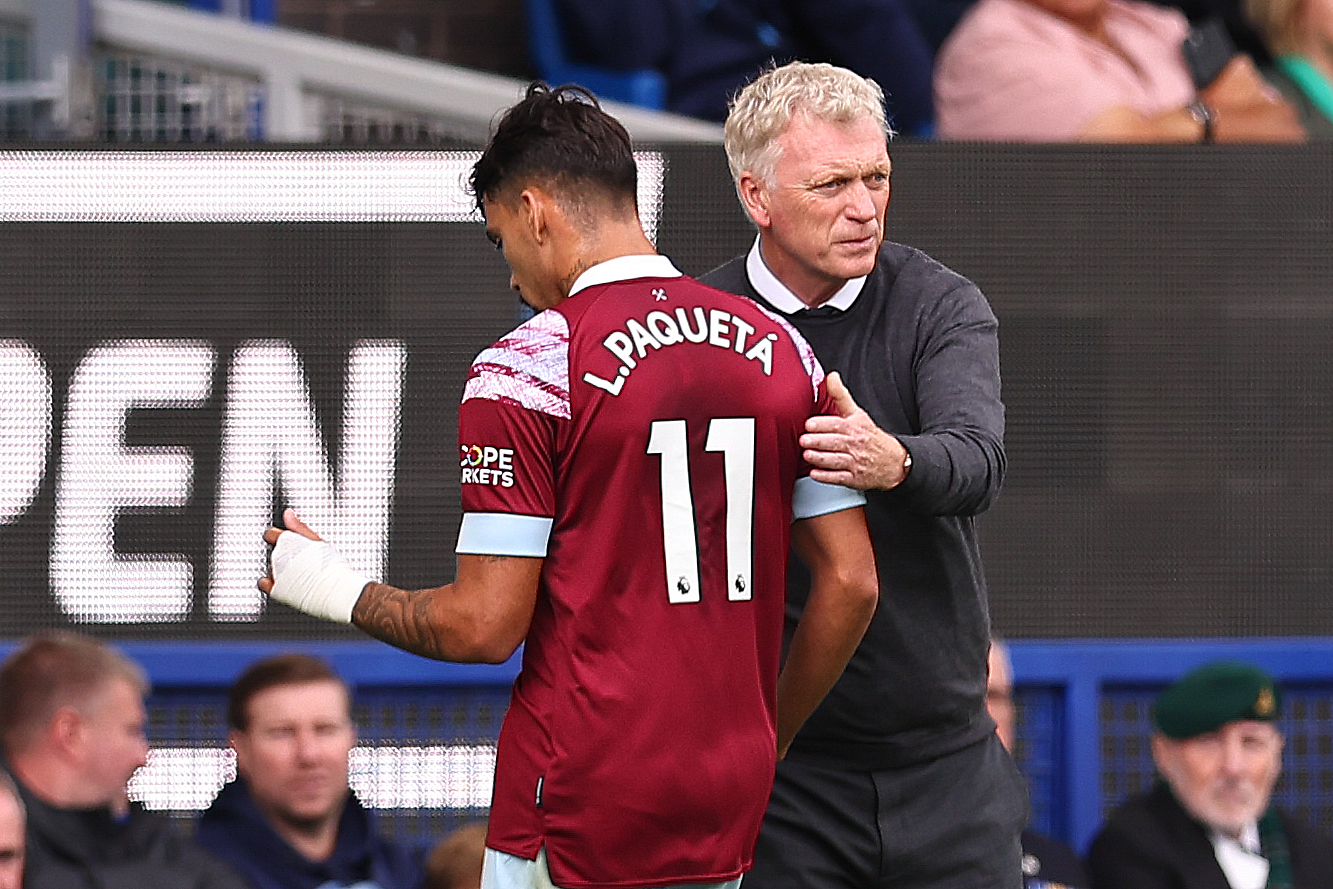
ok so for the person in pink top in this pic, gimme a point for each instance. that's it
(1097, 71)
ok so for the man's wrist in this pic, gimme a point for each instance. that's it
(313, 577)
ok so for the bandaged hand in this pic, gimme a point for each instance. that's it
(312, 576)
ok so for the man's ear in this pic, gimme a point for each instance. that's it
(1162, 750)
(239, 743)
(535, 207)
(753, 195)
(67, 728)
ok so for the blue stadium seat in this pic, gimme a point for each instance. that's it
(254, 10)
(643, 86)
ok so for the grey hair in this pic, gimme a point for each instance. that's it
(763, 110)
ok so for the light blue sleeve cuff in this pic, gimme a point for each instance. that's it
(812, 498)
(503, 534)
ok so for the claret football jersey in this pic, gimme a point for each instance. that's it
(641, 437)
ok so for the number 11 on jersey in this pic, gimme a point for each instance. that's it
(734, 438)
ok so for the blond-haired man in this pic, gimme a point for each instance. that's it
(72, 720)
(898, 778)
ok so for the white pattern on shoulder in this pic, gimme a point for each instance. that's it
(529, 366)
(812, 365)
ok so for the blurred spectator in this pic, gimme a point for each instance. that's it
(11, 834)
(1046, 862)
(290, 820)
(1208, 822)
(1097, 71)
(727, 46)
(1300, 34)
(455, 861)
(72, 721)
(937, 18)
(625, 34)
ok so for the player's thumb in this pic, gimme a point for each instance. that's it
(842, 398)
(293, 523)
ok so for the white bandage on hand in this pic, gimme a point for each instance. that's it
(312, 576)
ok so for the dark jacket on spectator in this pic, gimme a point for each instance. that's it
(91, 849)
(236, 831)
(1151, 842)
(728, 45)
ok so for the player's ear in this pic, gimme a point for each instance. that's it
(754, 198)
(535, 208)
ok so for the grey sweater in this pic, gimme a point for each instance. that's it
(919, 350)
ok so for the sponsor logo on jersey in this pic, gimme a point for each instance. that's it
(660, 330)
(485, 465)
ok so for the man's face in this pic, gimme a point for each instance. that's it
(821, 217)
(1223, 778)
(114, 744)
(11, 842)
(510, 227)
(294, 753)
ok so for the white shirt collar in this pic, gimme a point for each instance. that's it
(625, 268)
(1240, 860)
(782, 299)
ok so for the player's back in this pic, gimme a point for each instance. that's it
(643, 720)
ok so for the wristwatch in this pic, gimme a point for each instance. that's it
(1205, 115)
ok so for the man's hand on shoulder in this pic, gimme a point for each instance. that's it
(849, 449)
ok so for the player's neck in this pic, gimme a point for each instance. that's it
(613, 240)
(608, 241)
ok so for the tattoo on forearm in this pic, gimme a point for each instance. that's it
(399, 617)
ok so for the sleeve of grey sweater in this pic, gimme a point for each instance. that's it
(957, 442)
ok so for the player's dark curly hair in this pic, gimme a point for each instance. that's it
(562, 137)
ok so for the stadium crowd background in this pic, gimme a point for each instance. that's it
(1165, 326)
